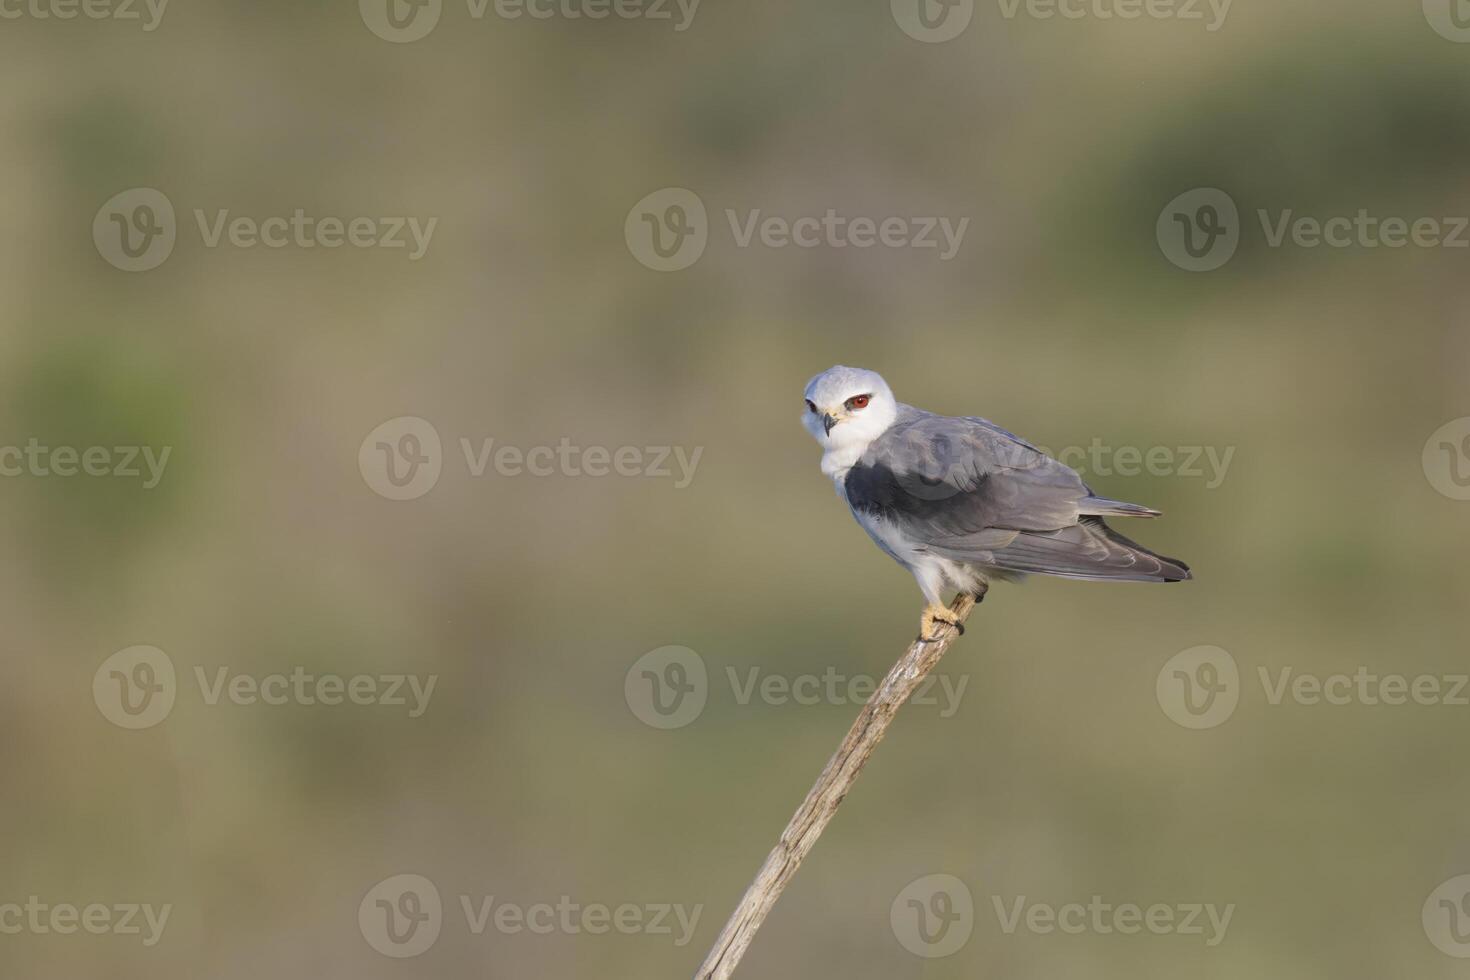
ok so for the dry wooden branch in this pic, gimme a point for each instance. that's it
(817, 810)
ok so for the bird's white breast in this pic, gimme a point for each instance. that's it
(838, 459)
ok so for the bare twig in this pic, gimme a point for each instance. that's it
(817, 810)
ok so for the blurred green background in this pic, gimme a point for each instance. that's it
(1325, 548)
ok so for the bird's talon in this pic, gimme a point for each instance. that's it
(932, 623)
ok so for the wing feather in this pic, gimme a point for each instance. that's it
(968, 490)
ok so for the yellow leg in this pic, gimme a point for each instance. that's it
(935, 618)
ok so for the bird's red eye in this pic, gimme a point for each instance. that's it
(811, 408)
(858, 401)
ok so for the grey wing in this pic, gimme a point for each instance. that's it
(967, 490)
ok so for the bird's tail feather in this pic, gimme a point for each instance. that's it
(1103, 507)
(1088, 550)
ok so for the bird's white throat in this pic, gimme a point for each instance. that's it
(837, 460)
(847, 442)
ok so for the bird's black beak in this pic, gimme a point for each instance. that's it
(827, 423)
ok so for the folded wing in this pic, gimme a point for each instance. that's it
(967, 490)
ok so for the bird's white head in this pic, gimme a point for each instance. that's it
(847, 408)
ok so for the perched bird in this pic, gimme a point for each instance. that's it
(960, 501)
